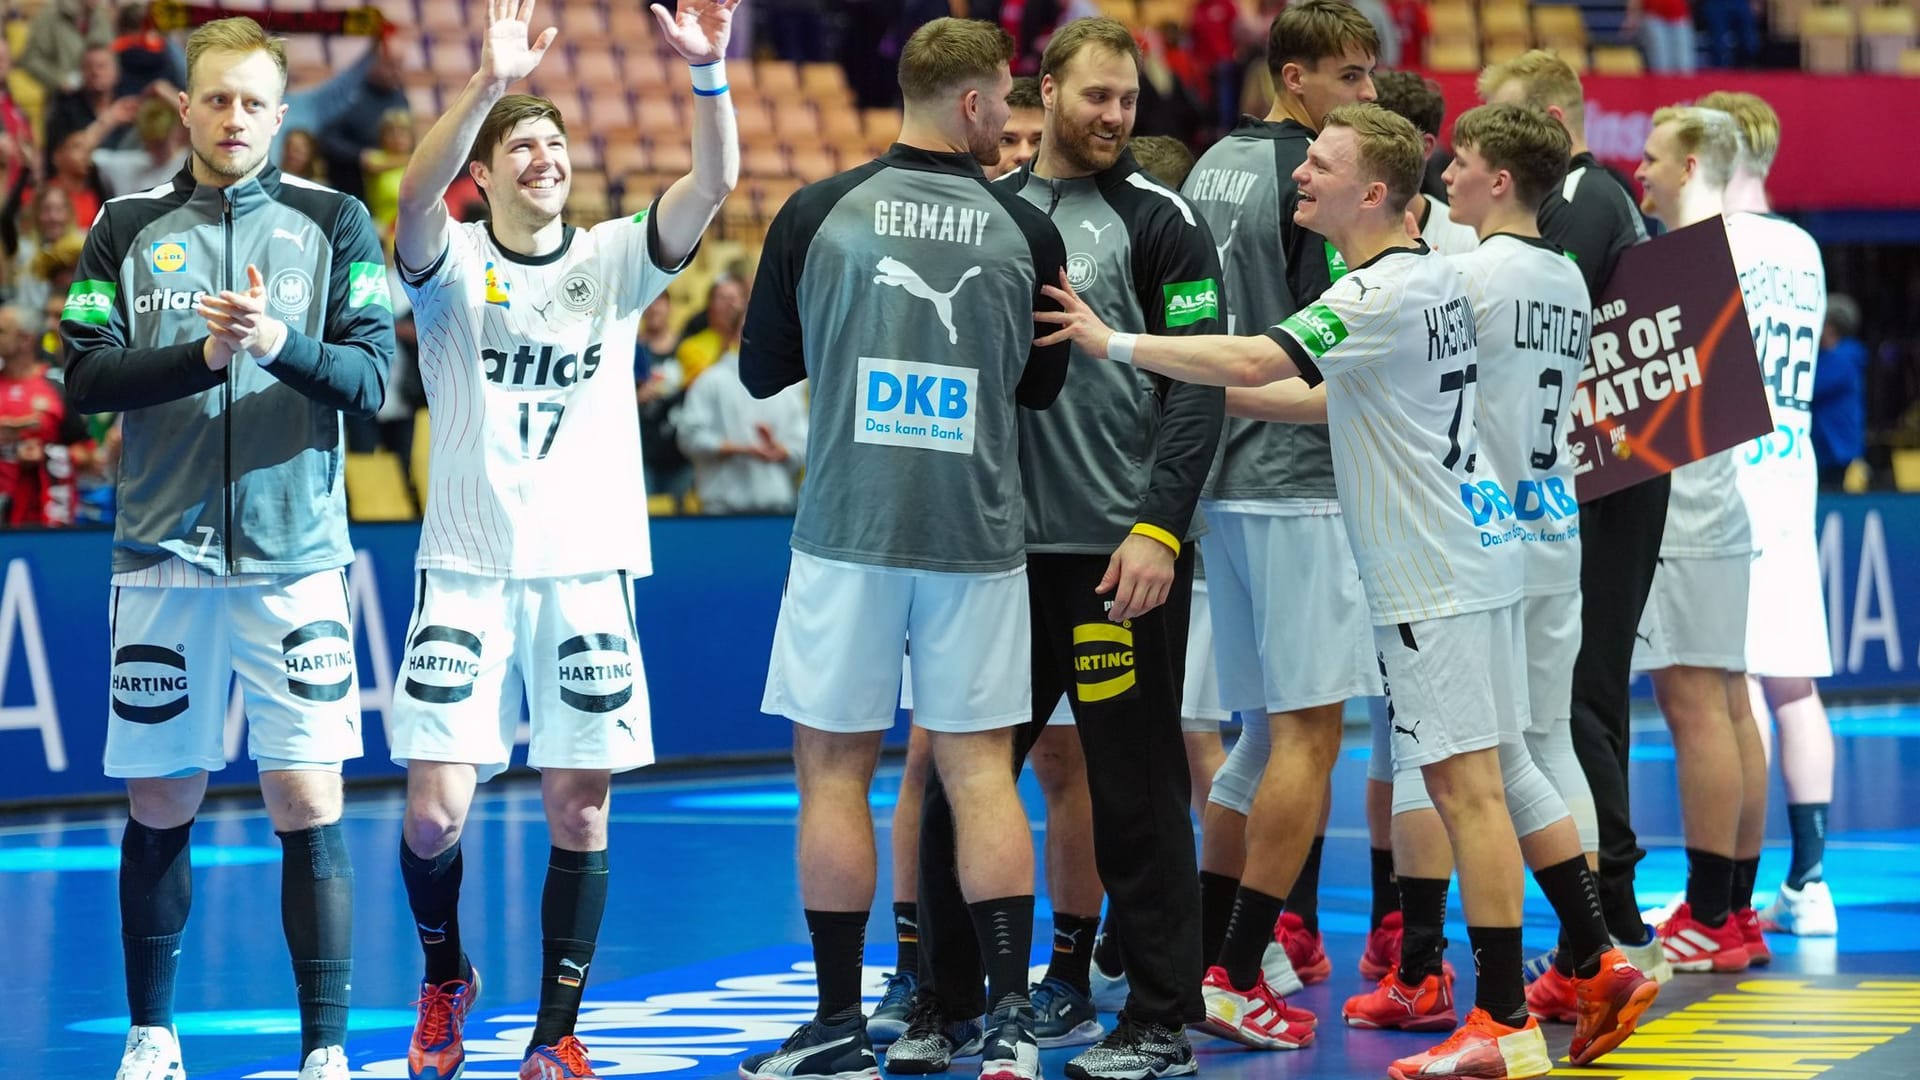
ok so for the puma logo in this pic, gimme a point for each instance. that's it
(299, 238)
(1409, 732)
(624, 726)
(1364, 288)
(1096, 231)
(1643, 637)
(581, 968)
(1220, 249)
(899, 275)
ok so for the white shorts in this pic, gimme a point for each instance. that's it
(1787, 611)
(1200, 709)
(1552, 625)
(480, 649)
(1290, 624)
(177, 651)
(1454, 685)
(972, 647)
(1696, 615)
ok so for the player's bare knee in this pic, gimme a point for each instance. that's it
(301, 798)
(166, 802)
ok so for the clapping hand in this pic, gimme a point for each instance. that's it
(239, 322)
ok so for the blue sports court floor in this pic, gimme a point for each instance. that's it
(703, 955)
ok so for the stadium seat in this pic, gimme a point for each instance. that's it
(1618, 60)
(794, 120)
(1910, 62)
(814, 162)
(1452, 19)
(580, 23)
(1453, 55)
(840, 126)
(750, 115)
(656, 114)
(644, 71)
(377, 488)
(1499, 50)
(1560, 27)
(763, 159)
(1826, 39)
(1502, 20)
(1906, 470)
(882, 124)
(588, 203)
(776, 78)
(825, 85)
(1886, 32)
(422, 454)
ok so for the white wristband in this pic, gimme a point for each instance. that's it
(709, 80)
(1120, 347)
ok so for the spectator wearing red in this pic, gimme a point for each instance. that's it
(142, 52)
(41, 441)
(1666, 34)
(1415, 25)
(1213, 46)
(16, 130)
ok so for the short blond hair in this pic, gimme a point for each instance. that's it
(1163, 157)
(1759, 126)
(1390, 148)
(1545, 80)
(1707, 135)
(949, 53)
(238, 34)
(1522, 140)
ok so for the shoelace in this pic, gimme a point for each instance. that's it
(146, 1050)
(800, 1035)
(1127, 1034)
(573, 1055)
(924, 1018)
(896, 981)
(436, 1015)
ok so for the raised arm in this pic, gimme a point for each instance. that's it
(699, 30)
(506, 57)
(1207, 359)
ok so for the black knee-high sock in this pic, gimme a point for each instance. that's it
(1216, 910)
(906, 937)
(571, 905)
(156, 891)
(1575, 897)
(1005, 929)
(1745, 872)
(316, 910)
(839, 948)
(1304, 898)
(1809, 824)
(1107, 951)
(1249, 932)
(1423, 911)
(1709, 886)
(433, 892)
(1072, 949)
(1386, 889)
(1622, 905)
(1499, 986)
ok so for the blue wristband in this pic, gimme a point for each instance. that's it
(710, 79)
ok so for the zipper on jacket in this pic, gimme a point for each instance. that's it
(226, 389)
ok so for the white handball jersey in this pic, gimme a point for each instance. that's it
(1533, 313)
(1445, 235)
(1394, 341)
(528, 368)
(1784, 284)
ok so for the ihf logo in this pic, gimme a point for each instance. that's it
(924, 406)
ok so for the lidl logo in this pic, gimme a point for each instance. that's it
(1317, 328)
(167, 256)
(498, 292)
(367, 284)
(90, 302)
(1190, 301)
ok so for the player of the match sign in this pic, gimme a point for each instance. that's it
(1671, 375)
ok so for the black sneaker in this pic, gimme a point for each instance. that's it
(932, 1041)
(1135, 1050)
(818, 1052)
(1010, 1052)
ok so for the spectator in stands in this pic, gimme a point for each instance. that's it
(49, 218)
(1666, 33)
(381, 167)
(59, 34)
(702, 348)
(41, 441)
(1412, 25)
(1839, 394)
(355, 128)
(658, 390)
(1167, 105)
(94, 108)
(142, 52)
(1733, 32)
(162, 150)
(300, 156)
(16, 130)
(73, 171)
(746, 451)
(1214, 46)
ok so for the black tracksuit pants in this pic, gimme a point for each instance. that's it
(1619, 549)
(1124, 682)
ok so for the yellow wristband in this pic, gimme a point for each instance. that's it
(1157, 533)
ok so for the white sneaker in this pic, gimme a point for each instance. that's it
(1109, 992)
(1650, 957)
(1658, 915)
(326, 1063)
(1806, 911)
(152, 1053)
(1278, 968)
